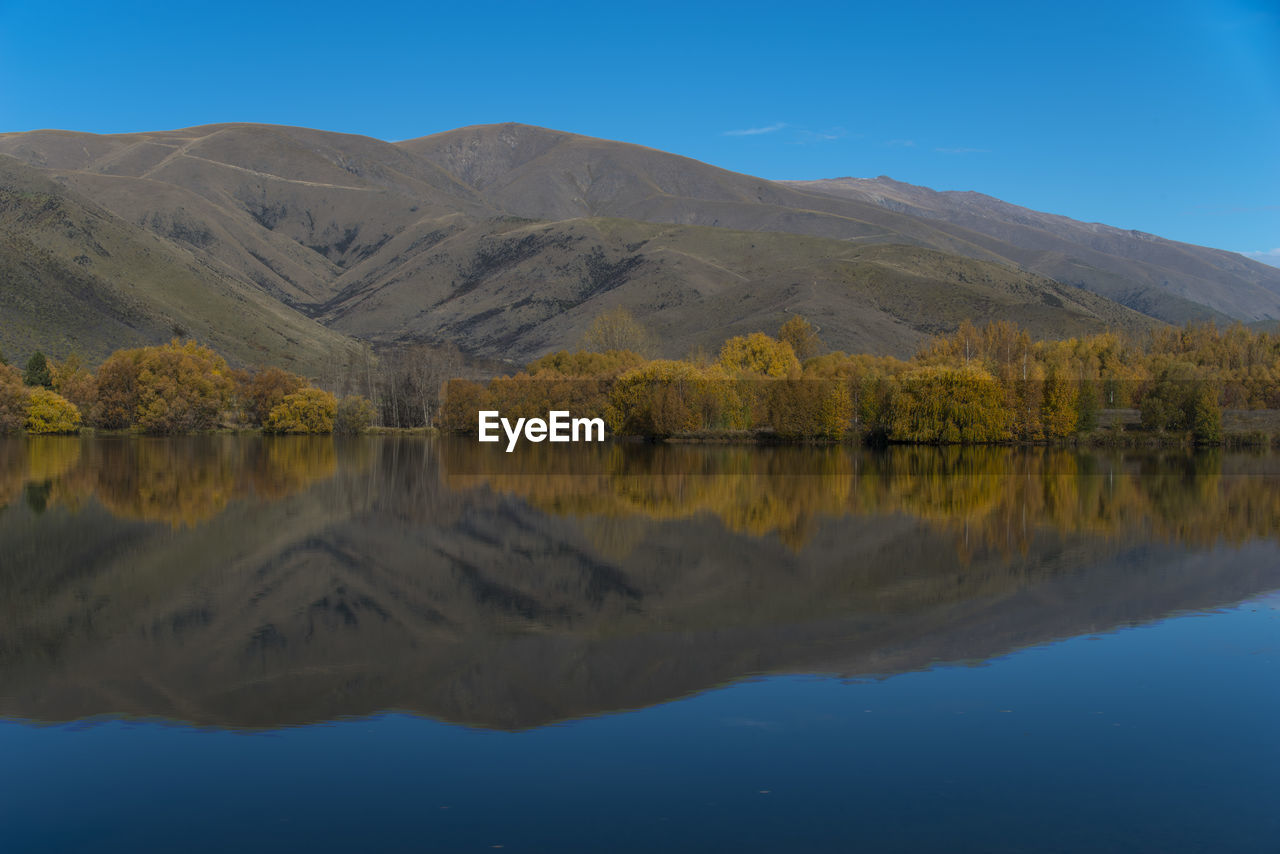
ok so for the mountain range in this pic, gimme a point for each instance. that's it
(292, 246)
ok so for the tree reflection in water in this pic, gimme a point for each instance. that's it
(252, 582)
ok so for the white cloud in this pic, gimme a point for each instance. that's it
(1269, 256)
(901, 143)
(756, 131)
(803, 136)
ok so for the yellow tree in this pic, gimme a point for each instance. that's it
(943, 405)
(50, 412)
(802, 337)
(264, 390)
(309, 410)
(758, 354)
(1058, 409)
(181, 387)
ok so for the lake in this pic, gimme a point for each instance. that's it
(415, 644)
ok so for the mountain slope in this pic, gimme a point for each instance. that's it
(546, 174)
(518, 289)
(74, 278)
(543, 174)
(1158, 276)
(509, 239)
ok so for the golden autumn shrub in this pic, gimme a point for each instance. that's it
(74, 382)
(662, 398)
(307, 411)
(758, 354)
(811, 408)
(172, 388)
(264, 390)
(117, 404)
(585, 363)
(50, 412)
(463, 400)
(1058, 404)
(801, 336)
(939, 405)
(182, 387)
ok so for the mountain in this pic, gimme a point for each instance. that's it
(522, 288)
(549, 174)
(75, 278)
(510, 239)
(1164, 278)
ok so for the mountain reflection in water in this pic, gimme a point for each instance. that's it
(256, 582)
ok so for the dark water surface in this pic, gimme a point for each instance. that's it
(224, 643)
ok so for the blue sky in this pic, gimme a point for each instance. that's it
(1159, 116)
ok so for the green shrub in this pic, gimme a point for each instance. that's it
(354, 415)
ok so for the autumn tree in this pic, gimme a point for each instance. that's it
(811, 409)
(463, 401)
(941, 405)
(309, 410)
(1058, 404)
(173, 388)
(182, 387)
(658, 399)
(758, 354)
(74, 382)
(49, 412)
(802, 337)
(118, 391)
(585, 363)
(264, 390)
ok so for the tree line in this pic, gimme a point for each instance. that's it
(978, 385)
(179, 387)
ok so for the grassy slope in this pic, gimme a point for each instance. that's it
(1167, 279)
(420, 240)
(519, 289)
(78, 279)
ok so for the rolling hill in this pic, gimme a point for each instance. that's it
(76, 279)
(509, 239)
(1171, 280)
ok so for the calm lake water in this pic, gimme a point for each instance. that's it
(226, 643)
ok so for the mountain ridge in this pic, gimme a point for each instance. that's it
(420, 240)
